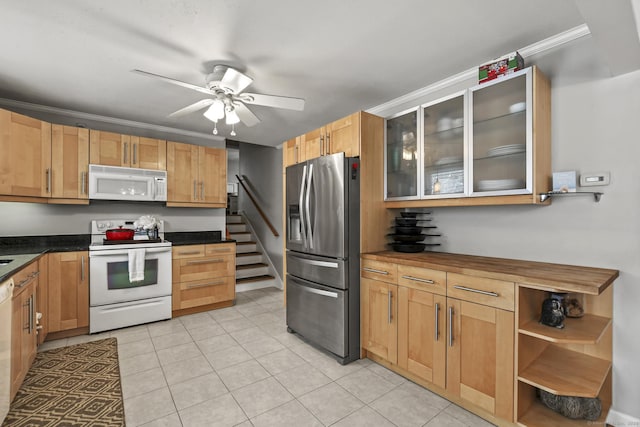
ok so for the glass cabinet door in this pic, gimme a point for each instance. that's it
(499, 140)
(444, 147)
(402, 156)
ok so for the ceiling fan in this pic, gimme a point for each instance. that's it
(227, 100)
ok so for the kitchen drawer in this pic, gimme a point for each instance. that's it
(189, 251)
(207, 291)
(491, 292)
(190, 269)
(423, 279)
(25, 276)
(220, 248)
(379, 270)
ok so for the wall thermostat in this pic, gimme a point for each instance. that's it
(594, 178)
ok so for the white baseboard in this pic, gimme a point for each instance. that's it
(619, 419)
(257, 285)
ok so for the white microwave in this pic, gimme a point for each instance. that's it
(116, 183)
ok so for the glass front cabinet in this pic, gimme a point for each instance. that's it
(489, 144)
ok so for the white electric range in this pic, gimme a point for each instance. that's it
(116, 301)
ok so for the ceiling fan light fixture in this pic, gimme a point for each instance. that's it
(232, 117)
(216, 111)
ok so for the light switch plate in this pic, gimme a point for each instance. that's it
(594, 178)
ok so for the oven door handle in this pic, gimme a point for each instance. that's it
(126, 251)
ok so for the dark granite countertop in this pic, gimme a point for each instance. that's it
(195, 238)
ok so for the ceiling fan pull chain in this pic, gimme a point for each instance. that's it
(215, 128)
(233, 130)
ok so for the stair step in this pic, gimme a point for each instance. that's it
(254, 279)
(237, 228)
(243, 236)
(248, 258)
(248, 266)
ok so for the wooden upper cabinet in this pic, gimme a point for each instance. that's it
(69, 162)
(314, 143)
(25, 163)
(114, 149)
(212, 173)
(182, 172)
(294, 151)
(148, 153)
(343, 136)
(197, 176)
(109, 149)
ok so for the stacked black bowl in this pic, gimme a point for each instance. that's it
(409, 235)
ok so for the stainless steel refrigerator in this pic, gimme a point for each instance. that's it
(323, 254)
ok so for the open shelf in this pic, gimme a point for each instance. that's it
(566, 373)
(588, 329)
(539, 415)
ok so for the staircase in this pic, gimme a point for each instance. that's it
(252, 267)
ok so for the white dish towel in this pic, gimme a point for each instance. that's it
(136, 265)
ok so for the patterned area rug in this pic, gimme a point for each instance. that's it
(71, 386)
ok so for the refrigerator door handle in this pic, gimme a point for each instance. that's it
(307, 207)
(316, 263)
(300, 206)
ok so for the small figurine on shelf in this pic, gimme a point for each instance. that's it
(552, 314)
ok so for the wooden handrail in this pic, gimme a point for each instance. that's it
(260, 211)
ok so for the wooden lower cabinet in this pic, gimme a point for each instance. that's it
(23, 324)
(203, 277)
(68, 291)
(378, 302)
(480, 356)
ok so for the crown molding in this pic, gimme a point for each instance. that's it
(11, 103)
(527, 51)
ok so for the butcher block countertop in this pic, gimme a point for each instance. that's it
(539, 275)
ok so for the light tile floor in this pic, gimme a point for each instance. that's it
(238, 366)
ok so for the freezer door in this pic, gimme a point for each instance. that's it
(319, 314)
(326, 271)
(296, 178)
(326, 208)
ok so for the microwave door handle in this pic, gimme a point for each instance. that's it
(300, 206)
(307, 206)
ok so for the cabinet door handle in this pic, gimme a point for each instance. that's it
(328, 147)
(125, 153)
(202, 190)
(83, 183)
(205, 261)
(373, 270)
(28, 280)
(417, 279)
(437, 326)
(390, 295)
(82, 268)
(31, 314)
(195, 190)
(189, 253)
(219, 250)
(450, 326)
(204, 285)
(295, 154)
(477, 291)
(48, 184)
(321, 145)
(135, 153)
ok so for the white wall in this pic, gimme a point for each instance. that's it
(263, 168)
(595, 127)
(35, 219)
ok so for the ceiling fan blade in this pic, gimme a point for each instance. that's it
(246, 116)
(274, 101)
(192, 108)
(235, 81)
(174, 81)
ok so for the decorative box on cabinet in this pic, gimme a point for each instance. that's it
(490, 144)
(203, 277)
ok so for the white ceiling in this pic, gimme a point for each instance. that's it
(340, 56)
